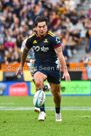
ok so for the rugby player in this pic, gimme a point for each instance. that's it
(48, 50)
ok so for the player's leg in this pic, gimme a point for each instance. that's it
(39, 79)
(46, 87)
(55, 89)
(54, 80)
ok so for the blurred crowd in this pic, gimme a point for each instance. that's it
(17, 19)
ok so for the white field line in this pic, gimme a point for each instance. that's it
(47, 108)
(85, 116)
(6, 103)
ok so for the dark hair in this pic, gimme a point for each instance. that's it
(41, 19)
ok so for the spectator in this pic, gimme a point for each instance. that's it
(74, 17)
(9, 20)
(70, 4)
(89, 12)
(9, 44)
(71, 46)
(88, 40)
(64, 39)
(82, 15)
(17, 19)
(19, 41)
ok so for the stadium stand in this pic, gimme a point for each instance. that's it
(67, 19)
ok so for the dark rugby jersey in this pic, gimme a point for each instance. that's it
(44, 48)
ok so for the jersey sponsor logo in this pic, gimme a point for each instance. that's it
(34, 41)
(38, 48)
(45, 41)
(44, 49)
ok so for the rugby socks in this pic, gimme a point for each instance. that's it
(57, 110)
(42, 108)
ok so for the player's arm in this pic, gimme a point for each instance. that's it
(22, 48)
(24, 53)
(61, 57)
(28, 45)
(23, 59)
(24, 56)
(28, 60)
(59, 53)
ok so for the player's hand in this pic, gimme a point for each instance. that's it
(66, 76)
(20, 69)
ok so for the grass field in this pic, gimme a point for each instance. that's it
(18, 119)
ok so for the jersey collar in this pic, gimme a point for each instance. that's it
(41, 37)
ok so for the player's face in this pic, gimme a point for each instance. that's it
(41, 28)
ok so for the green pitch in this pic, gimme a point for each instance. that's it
(18, 119)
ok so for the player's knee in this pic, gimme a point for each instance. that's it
(37, 83)
(56, 93)
(55, 90)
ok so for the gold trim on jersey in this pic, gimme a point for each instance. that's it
(31, 35)
(50, 33)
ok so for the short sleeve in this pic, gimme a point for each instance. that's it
(55, 41)
(29, 43)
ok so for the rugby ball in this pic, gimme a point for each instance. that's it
(39, 98)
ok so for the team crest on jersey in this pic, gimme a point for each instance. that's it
(45, 41)
(34, 41)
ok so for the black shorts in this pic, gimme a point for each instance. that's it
(53, 75)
